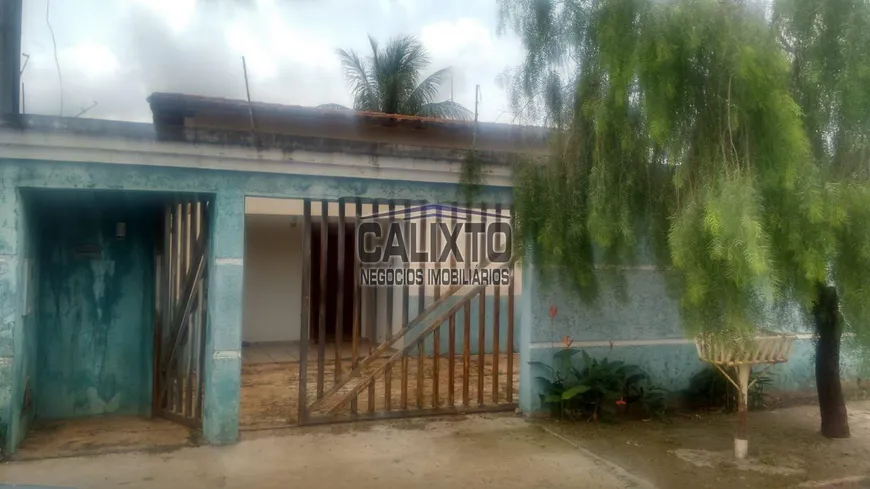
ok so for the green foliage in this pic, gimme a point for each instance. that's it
(710, 389)
(389, 81)
(735, 148)
(595, 390)
(471, 178)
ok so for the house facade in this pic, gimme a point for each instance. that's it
(124, 255)
(202, 269)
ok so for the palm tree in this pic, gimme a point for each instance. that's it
(388, 81)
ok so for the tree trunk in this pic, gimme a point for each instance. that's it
(829, 327)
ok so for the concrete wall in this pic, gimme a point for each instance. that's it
(273, 278)
(15, 365)
(641, 327)
(227, 252)
(23, 334)
(96, 319)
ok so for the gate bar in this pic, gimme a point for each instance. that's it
(481, 319)
(339, 316)
(321, 323)
(373, 324)
(388, 393)
(419, 375)
(422, 294)
(306, 307)
(466, 336)
(436, 361)
(451, 332)
(405, 306)
(436, 249)
(510, 329)
(496, 324)
(357, 299)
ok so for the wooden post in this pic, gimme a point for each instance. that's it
(741, 440)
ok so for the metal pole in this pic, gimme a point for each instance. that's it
(248, 93)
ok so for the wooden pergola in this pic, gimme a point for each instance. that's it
(768, 348)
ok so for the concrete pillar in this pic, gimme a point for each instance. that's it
(10, 209)
(528, 403)
(224, 338)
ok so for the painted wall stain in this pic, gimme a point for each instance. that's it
(96, 322)
(79, 376)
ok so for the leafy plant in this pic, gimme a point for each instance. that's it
(729, 137)
(471, 177)
(389, 81)
(710, 389)
(756, 392)
(598, 389)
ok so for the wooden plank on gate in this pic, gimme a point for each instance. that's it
(368, 380)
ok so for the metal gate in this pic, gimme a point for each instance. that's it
(181, 312)
(399, 365)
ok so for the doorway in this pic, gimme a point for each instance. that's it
(332, 282)
(93, 312)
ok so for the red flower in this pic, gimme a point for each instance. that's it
(553, 311)
(621, 402)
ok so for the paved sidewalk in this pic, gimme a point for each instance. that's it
(461, 452)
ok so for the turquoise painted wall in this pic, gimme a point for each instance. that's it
(12, 360)
(95, 330)
(645, 314)
(25, 336)
(222, 375)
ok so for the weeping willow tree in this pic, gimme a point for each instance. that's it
(828, 44)
(701, 128)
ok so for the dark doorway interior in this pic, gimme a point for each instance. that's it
(331, 283)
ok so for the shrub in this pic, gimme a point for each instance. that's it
(710, 389)
(597, 390)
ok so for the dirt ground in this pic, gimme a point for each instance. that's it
(100, 435)
(786, 449)
(270, 391)
(692, 451)
(456, 452)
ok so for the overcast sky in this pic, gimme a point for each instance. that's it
(116, 52)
